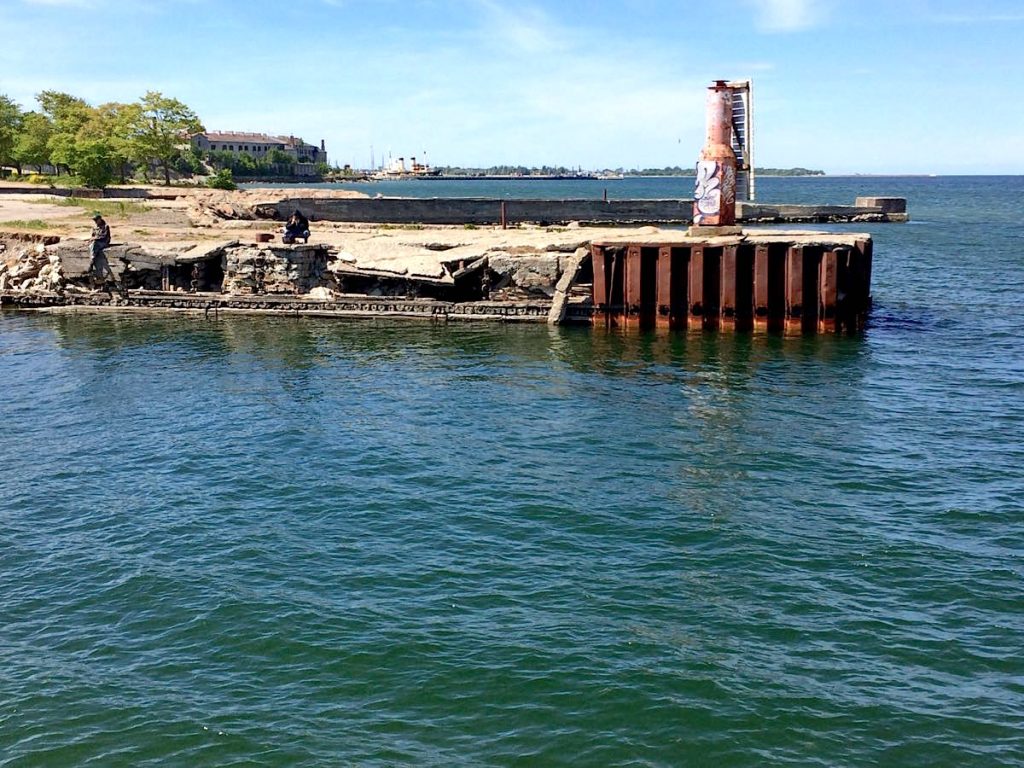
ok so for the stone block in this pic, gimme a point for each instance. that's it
(885, 204)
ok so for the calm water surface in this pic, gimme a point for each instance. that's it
(303, 543)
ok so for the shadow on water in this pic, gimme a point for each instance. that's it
(891, 318)
(299, 343)
(624, 352)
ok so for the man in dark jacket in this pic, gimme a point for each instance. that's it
(297, 226)
(100, 239)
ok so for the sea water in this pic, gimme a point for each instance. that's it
(298, 542)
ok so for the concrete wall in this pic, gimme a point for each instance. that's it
(486, 211)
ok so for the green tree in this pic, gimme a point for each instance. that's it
(244, 165)
(67, 115)
(62, 151)
(93, 161)
(113, 122)
(279, 157)
(219, 159)
(32, 145)
(10, 127)
(160, 129)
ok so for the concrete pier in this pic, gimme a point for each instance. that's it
(716, 279)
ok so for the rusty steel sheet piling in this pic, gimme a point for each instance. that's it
(792, 283)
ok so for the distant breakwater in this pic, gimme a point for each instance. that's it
(491, 211)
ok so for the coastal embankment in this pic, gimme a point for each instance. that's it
(208, 251)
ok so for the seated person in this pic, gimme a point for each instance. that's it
(297, 226)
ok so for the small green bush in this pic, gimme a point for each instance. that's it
(222, 179)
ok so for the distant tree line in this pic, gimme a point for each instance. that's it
(547, 170)
(692, 171)
(509, 170)
(116, 141)
(97, 144)
(276, 162)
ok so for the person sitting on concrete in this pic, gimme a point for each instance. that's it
(99, 240)
(297, 226)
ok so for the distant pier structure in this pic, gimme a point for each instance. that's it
(720, 276)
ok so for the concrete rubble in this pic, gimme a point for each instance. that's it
(383, 266)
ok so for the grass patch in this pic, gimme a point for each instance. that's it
(401, 226)
(105, 207)
(470, 226)
(25, 224)
(63, 182)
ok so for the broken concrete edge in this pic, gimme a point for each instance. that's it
(251, 272)
(571, 270)
(355, 307)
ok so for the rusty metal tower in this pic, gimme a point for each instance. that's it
(725, 165)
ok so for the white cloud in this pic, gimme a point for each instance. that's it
(787, 15)
(524, 28)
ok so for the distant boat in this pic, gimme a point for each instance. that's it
(396, 170)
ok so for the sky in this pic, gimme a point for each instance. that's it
(844, 86)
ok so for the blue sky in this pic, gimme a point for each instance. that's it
(847, 86)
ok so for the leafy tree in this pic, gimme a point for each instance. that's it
(245, 165)
(67, 115)
(10, 126)
(188, 164)
(93, 161)
(63, 151)
(113, 122)
(96, 154)
(31, 147)
(279, 157)
(160, 128)
(67, 112)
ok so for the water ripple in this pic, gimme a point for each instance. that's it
(308, 543)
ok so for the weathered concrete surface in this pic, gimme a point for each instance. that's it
(560, 300)
(343, 306)
(489, 211)
(810, 214)
(884, 204)
(294, 269)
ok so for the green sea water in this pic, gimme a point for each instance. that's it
(286, 542)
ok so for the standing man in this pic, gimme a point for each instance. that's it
(100, 239)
